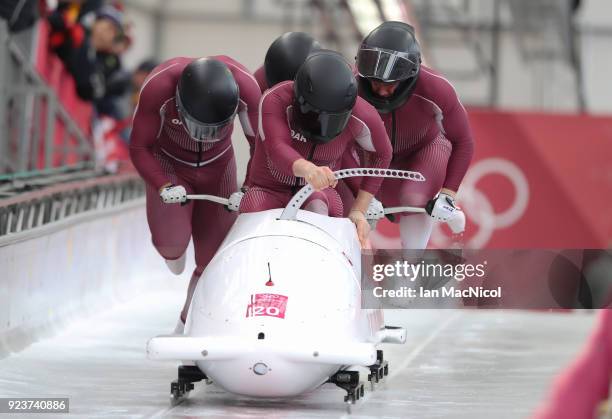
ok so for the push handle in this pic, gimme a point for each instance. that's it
(290, 211)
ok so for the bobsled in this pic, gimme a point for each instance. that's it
(277, 311)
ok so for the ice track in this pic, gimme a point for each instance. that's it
(455, 364)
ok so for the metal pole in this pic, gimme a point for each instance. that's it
(4, 132)
(495, 55)
(23, 131)
(25, 42)
(36, 132)
(49, 130)
(576, 62)
(65, 147)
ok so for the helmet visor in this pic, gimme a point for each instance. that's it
(203, 132)
(321, 126)
(385, 65)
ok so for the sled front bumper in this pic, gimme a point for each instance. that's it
(225, 349)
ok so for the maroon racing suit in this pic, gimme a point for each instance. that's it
(279, 146)
(260, 76)
(430, 134)
(579, 390)
(163, 152)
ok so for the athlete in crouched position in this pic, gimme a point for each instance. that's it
(426, 123)
(181, 143)
(305, 126)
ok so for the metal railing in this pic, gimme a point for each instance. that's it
(30, 211)
(30, 119)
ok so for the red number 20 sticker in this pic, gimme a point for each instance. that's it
(271, 305)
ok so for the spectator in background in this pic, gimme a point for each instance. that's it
(89, 42)
(68, 24)
(90, 37)
(118, 84)
(117, 80)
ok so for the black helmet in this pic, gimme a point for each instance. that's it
(325, 91)
(207, 99)
(286, 55)
(390, 53)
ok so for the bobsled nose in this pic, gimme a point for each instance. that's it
(267, 376)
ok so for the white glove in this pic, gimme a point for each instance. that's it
(234, 201)
(173, 194)
(375, 212)
(457, 223)
(442, 208)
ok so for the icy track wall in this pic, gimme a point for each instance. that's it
(72, 267)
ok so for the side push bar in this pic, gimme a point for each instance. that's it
(456, 224)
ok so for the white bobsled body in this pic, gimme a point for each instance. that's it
(278, 309)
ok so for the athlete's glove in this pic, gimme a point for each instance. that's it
(234, 201)
(375, 212)
(442, 208)
(173, 194)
